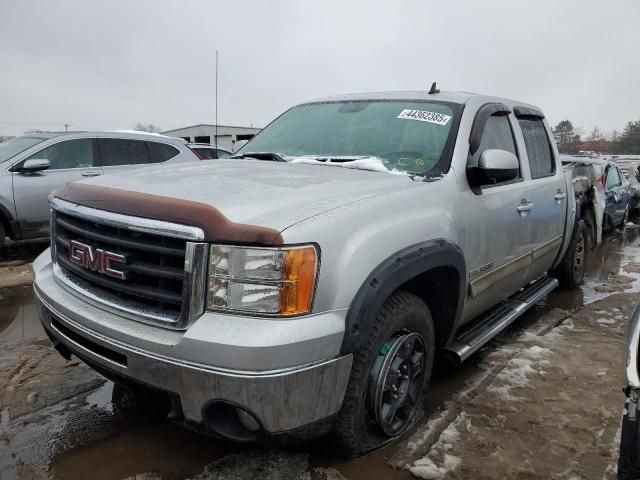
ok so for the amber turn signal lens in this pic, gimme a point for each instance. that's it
(299, 279)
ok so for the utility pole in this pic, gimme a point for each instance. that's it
(66, 127)
(216, 134)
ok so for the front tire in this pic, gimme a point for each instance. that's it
(3, 237)
(629, 459)
(570, 272)
(389, 375)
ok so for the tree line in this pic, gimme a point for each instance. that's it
(625, 142)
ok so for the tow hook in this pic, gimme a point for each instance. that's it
(634, 394)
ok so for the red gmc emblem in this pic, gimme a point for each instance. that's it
(96, 259)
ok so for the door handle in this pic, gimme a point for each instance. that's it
(91, 174)
(560, 196)
(524, 208)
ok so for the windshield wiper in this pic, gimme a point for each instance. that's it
(268, 156)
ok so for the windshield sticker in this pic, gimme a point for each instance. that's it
(424, 116)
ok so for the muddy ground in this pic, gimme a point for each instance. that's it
(543, 400)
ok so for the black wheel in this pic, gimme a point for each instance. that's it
(140, 401)
(625, 218)
(3, 234)
(388, 378)
(570, 272)
(629, 459)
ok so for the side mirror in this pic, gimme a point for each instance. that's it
(495, 166)
(35, 165)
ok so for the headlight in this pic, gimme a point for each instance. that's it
(272, 281)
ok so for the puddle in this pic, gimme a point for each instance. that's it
(19, 315)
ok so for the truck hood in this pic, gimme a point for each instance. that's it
(262, 193)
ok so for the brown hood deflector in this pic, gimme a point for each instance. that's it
(216, 227)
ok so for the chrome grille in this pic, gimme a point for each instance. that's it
(164, 271)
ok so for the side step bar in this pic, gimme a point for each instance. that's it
(488, 325)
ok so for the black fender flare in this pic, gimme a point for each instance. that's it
(390, 275)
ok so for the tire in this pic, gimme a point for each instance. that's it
(570, 272)
(140, 401)
(3, 234)
(629, 459)
(625, 218)
(402, 316)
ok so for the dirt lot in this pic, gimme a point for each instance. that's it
(543, 400)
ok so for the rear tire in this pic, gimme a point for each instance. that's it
(140, 401)
(625, 218)
(403, 324)
(570, 272)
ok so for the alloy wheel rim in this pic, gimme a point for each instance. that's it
(396, 382)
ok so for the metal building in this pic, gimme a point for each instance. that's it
(227, 135)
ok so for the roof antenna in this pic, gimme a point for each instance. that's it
(433, 89)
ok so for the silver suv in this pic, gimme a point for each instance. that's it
(34, 165)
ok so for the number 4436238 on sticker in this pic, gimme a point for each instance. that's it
(425, 116)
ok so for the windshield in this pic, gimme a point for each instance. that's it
(406, 136)
(13, 147)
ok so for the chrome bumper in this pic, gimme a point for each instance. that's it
(281, 400)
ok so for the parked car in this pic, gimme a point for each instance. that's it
(615, 186)
(629, 458)
(306, 286)
(209, 152)
(618, 197)
(629, 169)
(34, 165)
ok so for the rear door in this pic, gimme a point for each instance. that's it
(546, 193)
(69, 160)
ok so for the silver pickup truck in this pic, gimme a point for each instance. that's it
(306, 285)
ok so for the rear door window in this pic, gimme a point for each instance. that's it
(116, 151)
(161, 152)
(223, 154)
(538, 147)
(68, 154)
(206, 153)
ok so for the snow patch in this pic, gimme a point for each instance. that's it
(427, 469)
(373, 164)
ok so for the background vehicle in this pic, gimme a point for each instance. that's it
(32, 166)
(615, 189)
(306, 286)
(588, 185)
(209, 152)
(629, 169)
(617, 194)
(629, 459)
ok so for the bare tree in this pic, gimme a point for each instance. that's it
(141, 127)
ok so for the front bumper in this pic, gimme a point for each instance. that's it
(281, 399)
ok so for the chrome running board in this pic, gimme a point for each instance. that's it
(480, 331)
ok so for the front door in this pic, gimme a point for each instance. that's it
(494, 230)
(69, 160)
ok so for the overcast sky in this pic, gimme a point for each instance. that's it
(112, 64)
